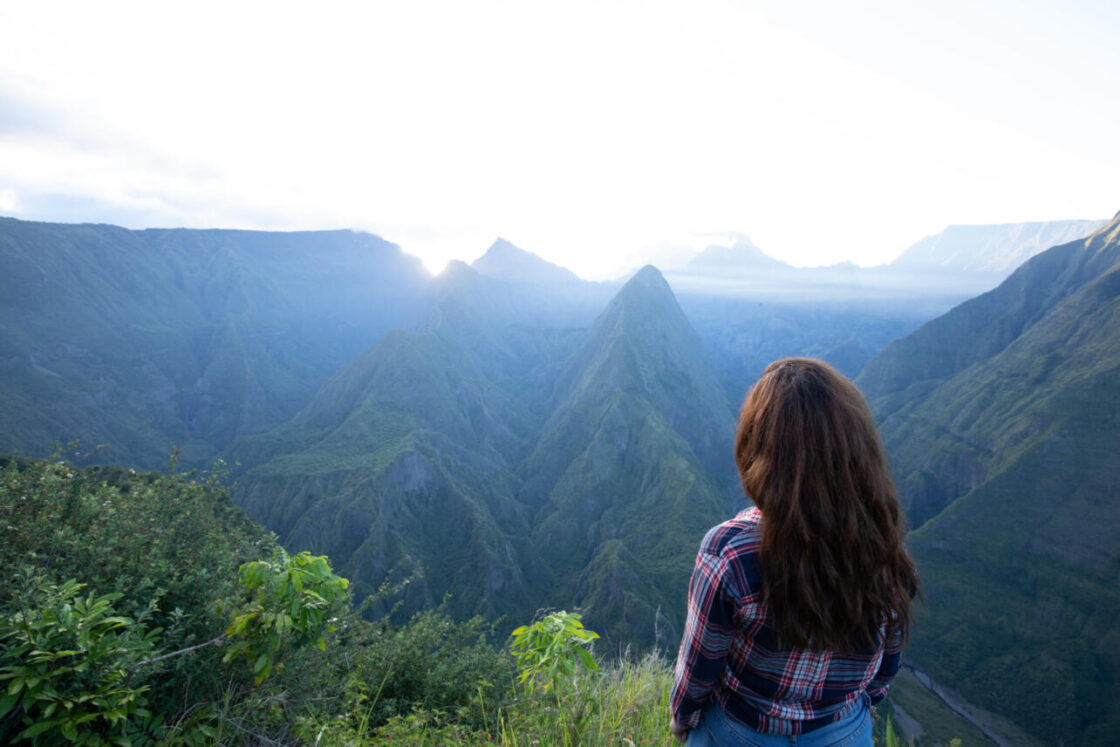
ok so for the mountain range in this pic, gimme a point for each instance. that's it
(935, 274)
(509, 437)
(1002, 419)
(996, 248)
(515, 467)
(140, 340)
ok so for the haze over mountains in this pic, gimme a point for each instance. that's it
(937, 272)
(523, 438)
(998, 249)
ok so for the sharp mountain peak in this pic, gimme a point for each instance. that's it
(506, 261)
(647, 278)
(646, 310)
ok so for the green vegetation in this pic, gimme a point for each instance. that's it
(291, 598)
(66, 665)
(146, 646)
(177, 587)
(939, 724)
(548, 650)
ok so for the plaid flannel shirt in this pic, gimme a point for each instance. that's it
(730, 651)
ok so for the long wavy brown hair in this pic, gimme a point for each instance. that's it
(832, 559)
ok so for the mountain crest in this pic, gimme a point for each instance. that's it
(643, 342)
(741, 256)
(647, 280)
(644, 309)
(997, 248)
(510, 263)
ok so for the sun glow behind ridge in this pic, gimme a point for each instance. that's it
(598, 135)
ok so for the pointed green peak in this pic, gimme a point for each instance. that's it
(644, 304)
(648, 293)
(649, 278)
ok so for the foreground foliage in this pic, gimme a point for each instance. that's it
(67, 662)
(146, 609)
(548, 650)
(139, 663)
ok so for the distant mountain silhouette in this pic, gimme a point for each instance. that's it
(997, 248)
(741, 257)
(930, 277)
(505, 261)
(543, 293)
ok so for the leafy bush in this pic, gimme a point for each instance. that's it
(170, 545)
(292, 596)
(548, 650)
(433, 662)
(66, 664)
(139, 651)
(167, 568)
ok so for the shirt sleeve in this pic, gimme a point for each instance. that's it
(892, 659)
(707, 638)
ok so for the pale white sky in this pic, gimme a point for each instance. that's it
(599, 135)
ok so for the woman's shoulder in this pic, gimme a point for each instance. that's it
(736, 536)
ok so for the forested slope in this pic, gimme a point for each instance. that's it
(139, 340)
(514, 466)
(1003, 419)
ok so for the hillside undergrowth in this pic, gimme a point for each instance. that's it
(146, 608)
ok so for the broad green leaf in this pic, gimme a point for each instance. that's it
(38, 728)
(7, 703)
(587, 659)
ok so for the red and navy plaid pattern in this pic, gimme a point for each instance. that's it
(730, 651)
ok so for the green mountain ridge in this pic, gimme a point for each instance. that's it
(972, 375)
(515, 467)
(145, 339)
(1004, 448)
(627, 470)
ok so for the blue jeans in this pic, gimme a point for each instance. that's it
(717, 730)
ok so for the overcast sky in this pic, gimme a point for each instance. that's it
(599, 135)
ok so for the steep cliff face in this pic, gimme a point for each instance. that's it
(1002, 418)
